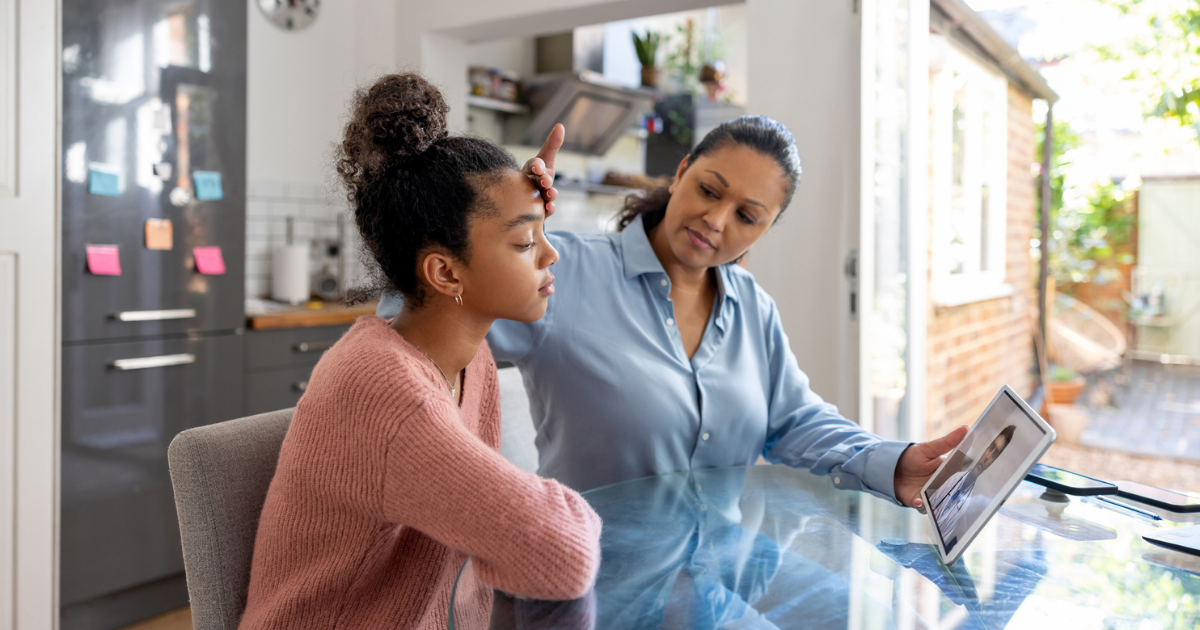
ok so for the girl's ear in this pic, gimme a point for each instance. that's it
(683, 165)
(441, 272)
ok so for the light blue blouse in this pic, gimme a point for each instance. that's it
(615, 397)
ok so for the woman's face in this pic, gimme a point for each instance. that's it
(721, 205)
(509, 272)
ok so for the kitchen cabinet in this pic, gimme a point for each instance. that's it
(279, 362)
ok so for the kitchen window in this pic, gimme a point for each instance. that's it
(970, 172)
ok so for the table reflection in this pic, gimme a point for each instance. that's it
(771, 547)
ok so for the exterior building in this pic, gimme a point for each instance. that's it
(982, 306)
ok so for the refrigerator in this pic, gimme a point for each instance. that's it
(153, 238)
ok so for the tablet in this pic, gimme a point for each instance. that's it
(977, 476)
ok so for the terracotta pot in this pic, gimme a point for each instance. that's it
(651, 76)
(1064, 392)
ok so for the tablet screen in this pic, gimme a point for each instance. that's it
(979, 474)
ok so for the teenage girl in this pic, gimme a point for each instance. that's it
(389, 477)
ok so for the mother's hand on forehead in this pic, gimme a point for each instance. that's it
(540, 169)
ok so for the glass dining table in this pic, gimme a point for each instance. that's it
(773, 547)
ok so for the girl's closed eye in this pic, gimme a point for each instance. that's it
(708, 192)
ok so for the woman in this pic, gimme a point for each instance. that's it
(954, 498)
(660, 354)
(389, 477)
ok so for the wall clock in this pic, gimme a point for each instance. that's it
(291, 15)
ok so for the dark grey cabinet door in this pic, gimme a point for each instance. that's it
(123, 404)
(275, 389)
(279, 362)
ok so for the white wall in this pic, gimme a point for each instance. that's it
(300, 84)
(804, 72)
(29, 314)
(298, 96)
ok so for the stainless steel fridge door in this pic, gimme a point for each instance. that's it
(122, 405)
(154, 92)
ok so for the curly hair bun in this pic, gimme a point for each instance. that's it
(398, 117)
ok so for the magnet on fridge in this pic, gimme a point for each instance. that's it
(104, 181)
(159, 234)
(209, 260)
(104, 260)
(208, 185)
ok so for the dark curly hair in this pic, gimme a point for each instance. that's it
(411, 185)
(765, 135)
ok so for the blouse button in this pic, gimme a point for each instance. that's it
(670, 321)
(704, 437)
(663, 282)
(837, 480)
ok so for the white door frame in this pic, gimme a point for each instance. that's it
(29, 313)
(916, 157)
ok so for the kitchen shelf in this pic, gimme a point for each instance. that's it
(496, 104)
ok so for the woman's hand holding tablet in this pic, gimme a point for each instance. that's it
(975, 479)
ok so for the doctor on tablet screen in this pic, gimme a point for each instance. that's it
(952, 500)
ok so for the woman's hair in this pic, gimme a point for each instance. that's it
(765, 135)
(410, 184)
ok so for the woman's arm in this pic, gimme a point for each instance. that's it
(804, 431)
(528, 536)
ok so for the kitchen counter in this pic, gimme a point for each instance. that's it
(302, 316)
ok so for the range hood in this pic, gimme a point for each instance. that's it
(594, 110)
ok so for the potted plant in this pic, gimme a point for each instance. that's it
(647, 54)
(1063, 386)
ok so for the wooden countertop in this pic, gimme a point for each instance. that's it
(328, 314)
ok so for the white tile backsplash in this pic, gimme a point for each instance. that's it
(269, 204)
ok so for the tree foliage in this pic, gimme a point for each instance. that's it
(1164, 53)
(1091, 224)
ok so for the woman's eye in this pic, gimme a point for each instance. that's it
(746, 218)
(526, 246)
(707, 191)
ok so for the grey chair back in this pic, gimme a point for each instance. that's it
(221, 473)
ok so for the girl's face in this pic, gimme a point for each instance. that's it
(509, 272)
(721, 205)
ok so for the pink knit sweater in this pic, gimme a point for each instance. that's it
(385, 487)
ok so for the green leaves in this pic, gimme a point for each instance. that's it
(1162, 54)
(646, 47)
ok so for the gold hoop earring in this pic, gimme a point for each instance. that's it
(458, 300)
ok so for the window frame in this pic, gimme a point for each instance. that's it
(984, 91)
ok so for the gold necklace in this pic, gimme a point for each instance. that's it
(453, 390)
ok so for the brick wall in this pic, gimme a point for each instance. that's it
(975, 348)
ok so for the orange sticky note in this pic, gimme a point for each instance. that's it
(209, 260)
(104, 260)
(159, 234)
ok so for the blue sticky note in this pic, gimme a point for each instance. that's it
(208, 185)
(102, 181)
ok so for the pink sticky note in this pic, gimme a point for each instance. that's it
(209, 261)
(104, 260)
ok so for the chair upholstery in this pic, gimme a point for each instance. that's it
(516, 424)
(221, 473)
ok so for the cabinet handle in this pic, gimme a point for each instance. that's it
(300, 386)
(150, 316)
(142, 363)
(314, 346)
